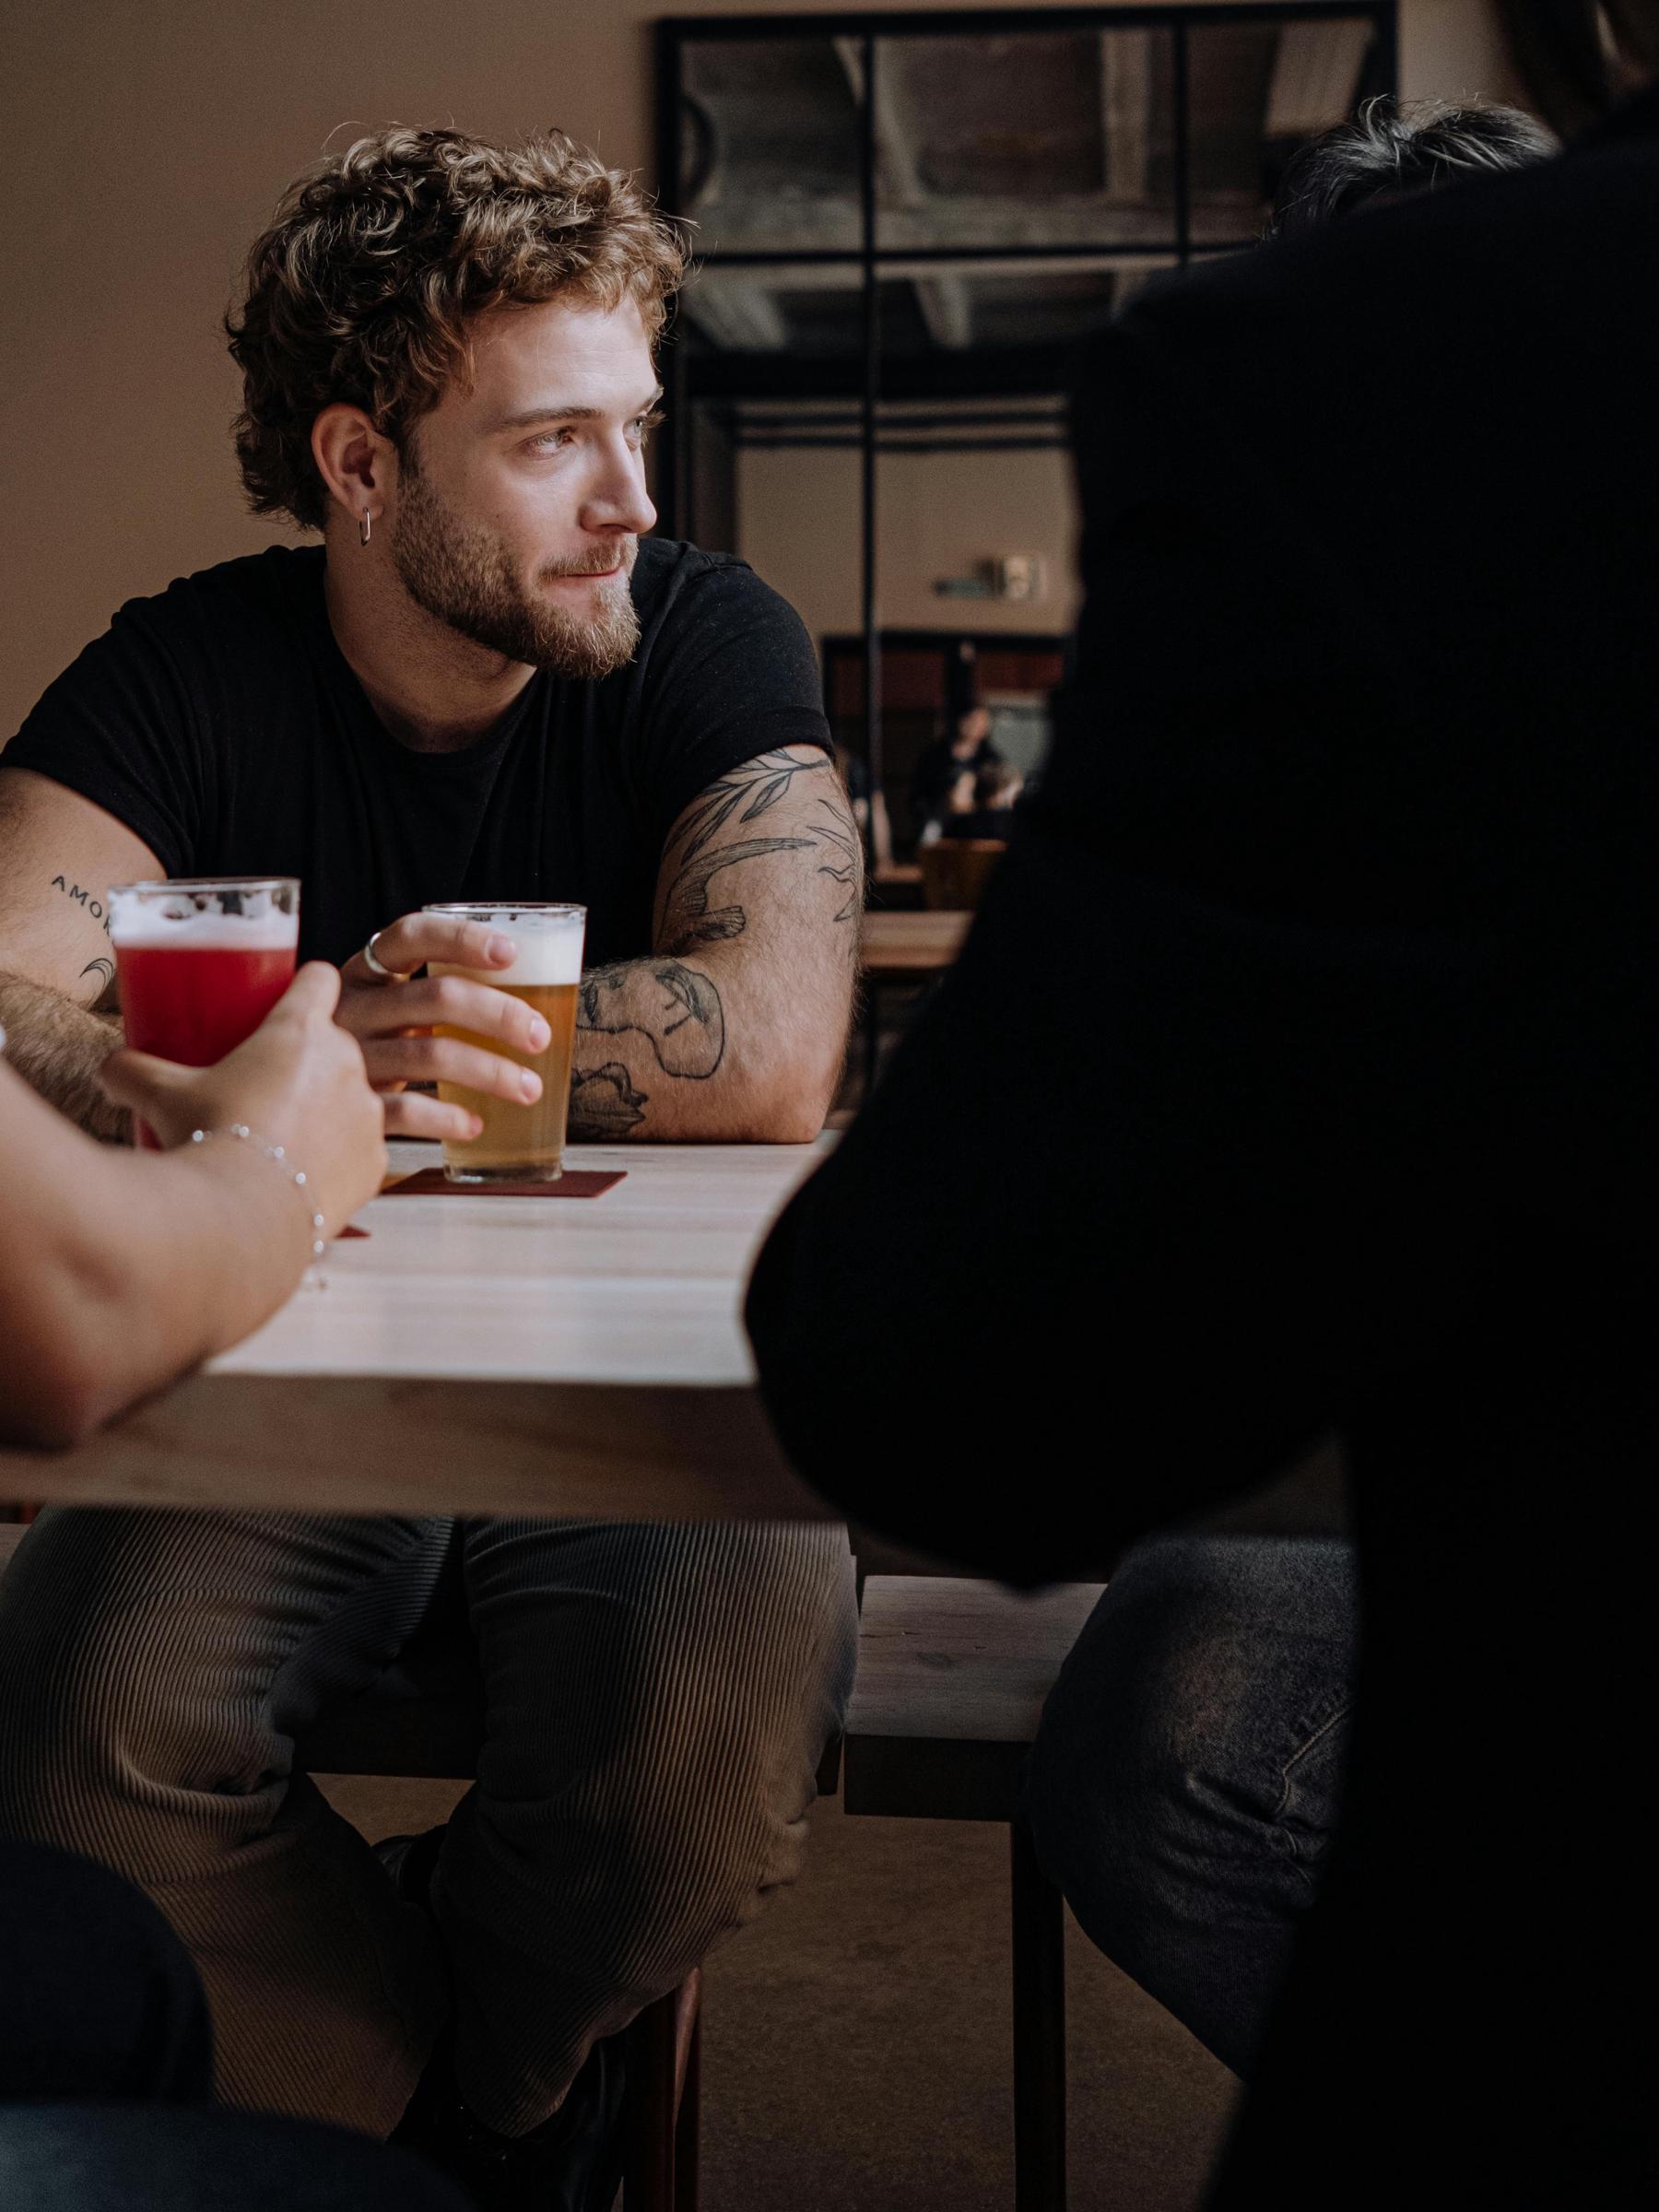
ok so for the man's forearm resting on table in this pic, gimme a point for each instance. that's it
(736, 1027)
(58, 1047)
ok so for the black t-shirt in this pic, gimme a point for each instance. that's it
(220, 722)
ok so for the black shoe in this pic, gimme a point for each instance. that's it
(571, 2163)
(411, 1860)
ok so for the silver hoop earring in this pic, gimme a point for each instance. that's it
(365, 524)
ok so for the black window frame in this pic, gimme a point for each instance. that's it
(673, 34)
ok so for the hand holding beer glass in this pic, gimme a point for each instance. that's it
(201, 964)
(520, 1141)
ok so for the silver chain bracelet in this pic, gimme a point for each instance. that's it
(277, 1155)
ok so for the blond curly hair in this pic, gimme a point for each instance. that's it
(379, 259)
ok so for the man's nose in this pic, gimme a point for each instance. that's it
(618, 499)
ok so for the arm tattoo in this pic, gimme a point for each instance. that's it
(687, 920)
(676, 1009)
(763, 782)
(103, 970)
(845, 865)
(603, 1103)
(83, 897)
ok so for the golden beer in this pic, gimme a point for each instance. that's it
(520, 1143)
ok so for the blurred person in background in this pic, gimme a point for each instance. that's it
(982, 803)
(1344, 942)
(965, 750)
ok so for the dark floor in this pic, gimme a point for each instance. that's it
(856, 2054)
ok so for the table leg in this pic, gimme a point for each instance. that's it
(1039, 2032)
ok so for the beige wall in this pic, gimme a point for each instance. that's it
(937, 515)
(144, 146)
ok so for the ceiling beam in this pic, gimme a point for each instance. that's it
(736, 309)
(945, 303)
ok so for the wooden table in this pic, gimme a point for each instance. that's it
(480, 1354)
(900, 947)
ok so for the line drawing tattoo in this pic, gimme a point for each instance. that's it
(762, 781)
(687, 920)
(676, 1007)
(603, 1103)
(843, 839)
(103, 970)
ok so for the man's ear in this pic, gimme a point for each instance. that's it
(358, 466)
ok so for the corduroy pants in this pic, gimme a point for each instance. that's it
(658, 1698)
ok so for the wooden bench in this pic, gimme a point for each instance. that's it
(952, 1680)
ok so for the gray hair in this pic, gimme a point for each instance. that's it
(1390, 150)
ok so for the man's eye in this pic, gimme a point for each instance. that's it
(550, 441)
(642, 425)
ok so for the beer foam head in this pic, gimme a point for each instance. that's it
(150, 917)
(549, 940)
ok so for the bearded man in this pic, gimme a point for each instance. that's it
(487, 683)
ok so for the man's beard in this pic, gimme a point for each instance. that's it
(464, 577)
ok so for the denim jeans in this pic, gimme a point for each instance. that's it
(1185, 1781)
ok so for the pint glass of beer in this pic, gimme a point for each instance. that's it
(201, 964)
(518, 1143)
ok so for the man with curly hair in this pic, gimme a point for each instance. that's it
(487, 682)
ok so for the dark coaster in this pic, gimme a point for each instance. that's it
(575, 1182)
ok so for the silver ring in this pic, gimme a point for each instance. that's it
(376, 966)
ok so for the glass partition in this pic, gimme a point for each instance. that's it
(908, 228)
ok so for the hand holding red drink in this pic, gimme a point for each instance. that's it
(201, 964)
(298, 1080)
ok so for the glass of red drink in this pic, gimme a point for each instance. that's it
(201, 964)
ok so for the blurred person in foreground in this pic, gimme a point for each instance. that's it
(1185, 1785)
(1343, 951)
(106, 2069)
(118, 1272)
(488, 681)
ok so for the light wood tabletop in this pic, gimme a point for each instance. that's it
(488, 1354)
(897, 944)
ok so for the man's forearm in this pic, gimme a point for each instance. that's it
(669, 1049)
(58, 1047)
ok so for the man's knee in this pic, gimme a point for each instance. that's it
(687, 1734)
(738, 1677)
(1162, 1764)
(111, 1719)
